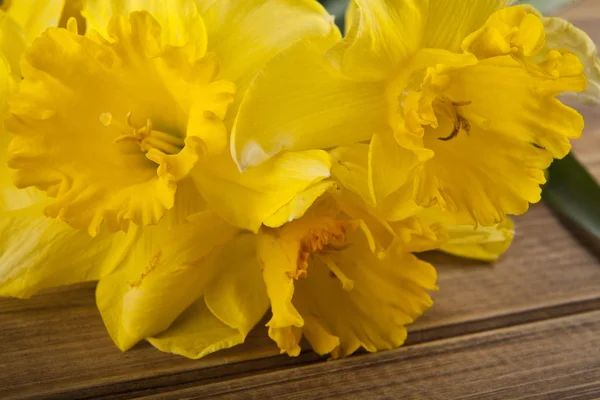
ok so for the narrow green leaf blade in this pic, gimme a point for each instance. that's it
(575, 195)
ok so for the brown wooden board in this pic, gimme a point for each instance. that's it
(554, 359)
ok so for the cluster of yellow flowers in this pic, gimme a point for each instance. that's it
(209, 160)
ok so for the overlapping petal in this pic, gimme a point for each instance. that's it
(561, 34)
(381, 35)
(317, 108)
(166, 271)
(35, 17)
(12, 43)
(196, 333)
(247, 199)
(386, 296)
(483, 243)
(449, 22)
(37, 253)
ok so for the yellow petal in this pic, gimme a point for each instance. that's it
(237, 295)
(39, 253)
(423, 232)
(510, 31)
(12, 45)
(482, 243)
(299, 102)
(34, 17)
(165, 272)
(196, 333)
(388, 293)
(11, 198)
(278, 258)
(449, 22)
(392, 170)
(247, 34)
(134, 97)
(501, 176)
(284, 255)
(381, 35)
(298, 206)
(179, 19)
(561, 34)
(351, 168)
(522, 106)
(247, 199)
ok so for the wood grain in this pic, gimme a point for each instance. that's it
(555, 359)
(526, 323)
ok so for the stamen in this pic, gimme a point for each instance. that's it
(347, 283)
(460, 123)
(147, 137)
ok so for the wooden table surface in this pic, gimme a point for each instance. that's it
(526, 327)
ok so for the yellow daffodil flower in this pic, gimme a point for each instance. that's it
(456, 98)
(327, 281)
(152, 102)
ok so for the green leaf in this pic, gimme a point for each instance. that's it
(574, 194)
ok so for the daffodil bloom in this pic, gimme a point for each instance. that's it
(457, 100)
(110, 125)
(327, 281)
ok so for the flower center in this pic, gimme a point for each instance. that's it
(4, 4)
(445, 106)
(145, 136)
(320, 242)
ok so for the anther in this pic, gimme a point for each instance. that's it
(460, 123)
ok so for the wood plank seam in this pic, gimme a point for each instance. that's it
(187, 379)
(524, 335)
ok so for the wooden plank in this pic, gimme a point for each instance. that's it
(546, 273)
(554, 359)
